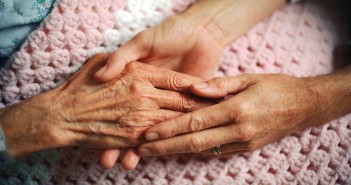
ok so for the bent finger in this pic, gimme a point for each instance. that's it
(178, 101)
(130, 159)
(170, 80)
(222, 86)
(163, 114)
(108, 158)
(133, 50)
(207, 117)
(195, 142)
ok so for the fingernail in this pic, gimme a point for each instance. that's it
(201, 85)
(152, 136)
(102, 71)
(145, 152)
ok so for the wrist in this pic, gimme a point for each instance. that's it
(226, 20)
(26, 128)
(333, 94)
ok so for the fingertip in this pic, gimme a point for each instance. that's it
(202, 85)
(108, 158)
(214, 88)
(130, 159)
(99, 75)
(111, 70)
(204, 90)
(150, 136)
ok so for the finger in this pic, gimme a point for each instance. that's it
(207, 117)
(133, 50)
(178, 101)
(130, 159)
(163, 114)
(103, 141)
(169, 80)
(108, 158)
(220, 87)
(198, 141)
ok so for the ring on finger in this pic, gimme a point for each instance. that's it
(217, 150)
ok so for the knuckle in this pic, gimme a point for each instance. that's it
(136, 90)
(132, 67)
(142, 40)
(169, 132)
(188, 105)
(245, 134)
(178, 81)
(242, 110)
(227, 136)
(141, 37)
(220, 83)
(144, 103)
(135, 136)
(160, 148)
(195, 123)
(196, 145)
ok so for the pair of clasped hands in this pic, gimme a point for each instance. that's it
(195, 112)
(156, 95)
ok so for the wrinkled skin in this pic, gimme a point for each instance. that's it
(87, 113)
(177, 44)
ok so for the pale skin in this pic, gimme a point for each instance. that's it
(262, 109)
(84, 112)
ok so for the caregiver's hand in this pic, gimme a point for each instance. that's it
(263, 109)
(178, 44)
(193, 41)
(84, 112)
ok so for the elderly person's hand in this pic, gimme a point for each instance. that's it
(260, 109)
(84, 112)
(191, 43)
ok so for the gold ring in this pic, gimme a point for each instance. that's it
(217, 150)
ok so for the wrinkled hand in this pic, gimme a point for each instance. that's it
(84, 112)
(261, 109)
(178, 44)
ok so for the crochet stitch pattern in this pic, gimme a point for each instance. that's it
(297, 40)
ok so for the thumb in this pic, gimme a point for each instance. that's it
(221, 87)
(133, 50)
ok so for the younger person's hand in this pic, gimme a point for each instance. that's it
(262, 109)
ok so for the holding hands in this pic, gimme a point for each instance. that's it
(191, 43)
(84, 112)
(256, 110)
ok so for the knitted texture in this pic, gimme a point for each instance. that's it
(296, 40)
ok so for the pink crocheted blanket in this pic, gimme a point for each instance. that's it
(296, 40)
